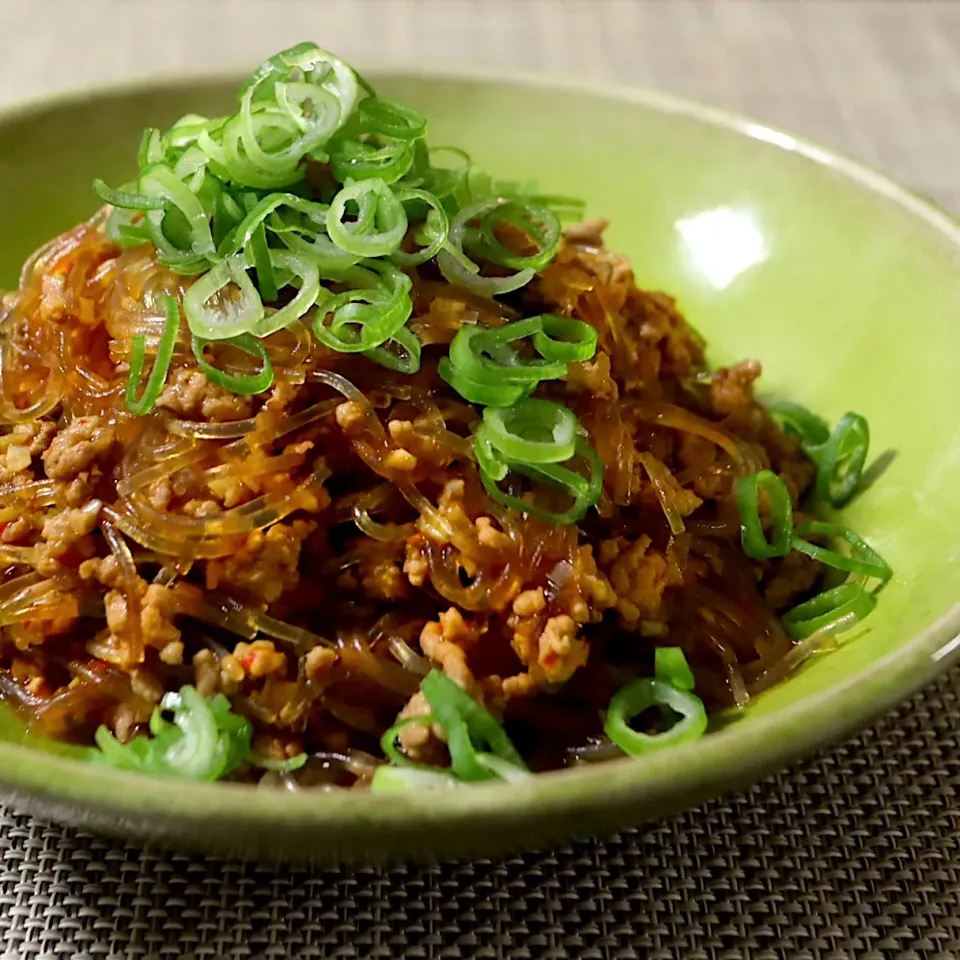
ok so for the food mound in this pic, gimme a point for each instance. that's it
(325, 464)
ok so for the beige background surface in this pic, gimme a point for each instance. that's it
(877, 78)
(853, 856)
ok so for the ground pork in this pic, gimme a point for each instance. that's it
(85, 441)
(639, 575)
(378, 571)
(190, 394)
(588, 232)
(63, 530)
(731, 388)
(35, 435)
(266, 567)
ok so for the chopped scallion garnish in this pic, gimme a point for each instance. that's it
(205, 740)
(161, 363)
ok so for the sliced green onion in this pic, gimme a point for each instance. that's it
(483, 354)
(260, 252)
(356, 160)
(241, 236)
(321, 250)
(369, 315)
(127, 200)
(215, 314)
(161, 363)
(532, 431)
(287, 765)
(206, 740)
(318, 121)
(538, 225)
(491, 463)
(269, 125)
(240, 384)
(236, 383)
(585, 490)
(503, 769)
(433, 233)
(863, 558)
(841, 459)
(633, 699)
(401, 352)
(799, 421)
(453, 261)
(840, 454)
(499, 395)
(565, 340)
(670, 666)
(227, 216)
(755, 544)
(307, 278)
(849, 600)
(468, 726)
(380, 226)
(391, 779)
(392, 119)
(388, 742)
(159, 181)
(150, 149)
(315, 66)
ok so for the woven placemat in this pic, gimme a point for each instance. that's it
(853, 855)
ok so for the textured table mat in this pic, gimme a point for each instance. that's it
(853, 855)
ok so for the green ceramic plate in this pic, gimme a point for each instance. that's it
(844, 284)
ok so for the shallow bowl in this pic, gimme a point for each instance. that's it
(844, 284)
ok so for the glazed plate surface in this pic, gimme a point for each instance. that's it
(845, 286)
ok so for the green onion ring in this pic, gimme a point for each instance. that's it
(129, 201)
(390, 779)
(863, 560)
(408, 362)
(391, 119)
(243, 385)
(467, 725)
(382, 223)
(585, 491)
(537, 223)
(321, 122)
(230, 317)
(435, 228)
(452, 259)
(755, 544)
(287, 765)
(309, 282)
(532, 431)
(670, 666)
(242, 169)
(260, 254)
(240, 237)
(799, 421)
(356, 160)
(491, 394)
(158, 180)
(633, 699)
(841, 459)
(318, 66)
(828, 607)
(472, 345)
(368, 316)
(150, 149)
(565, 340)
(388, 742)
(161, 364)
